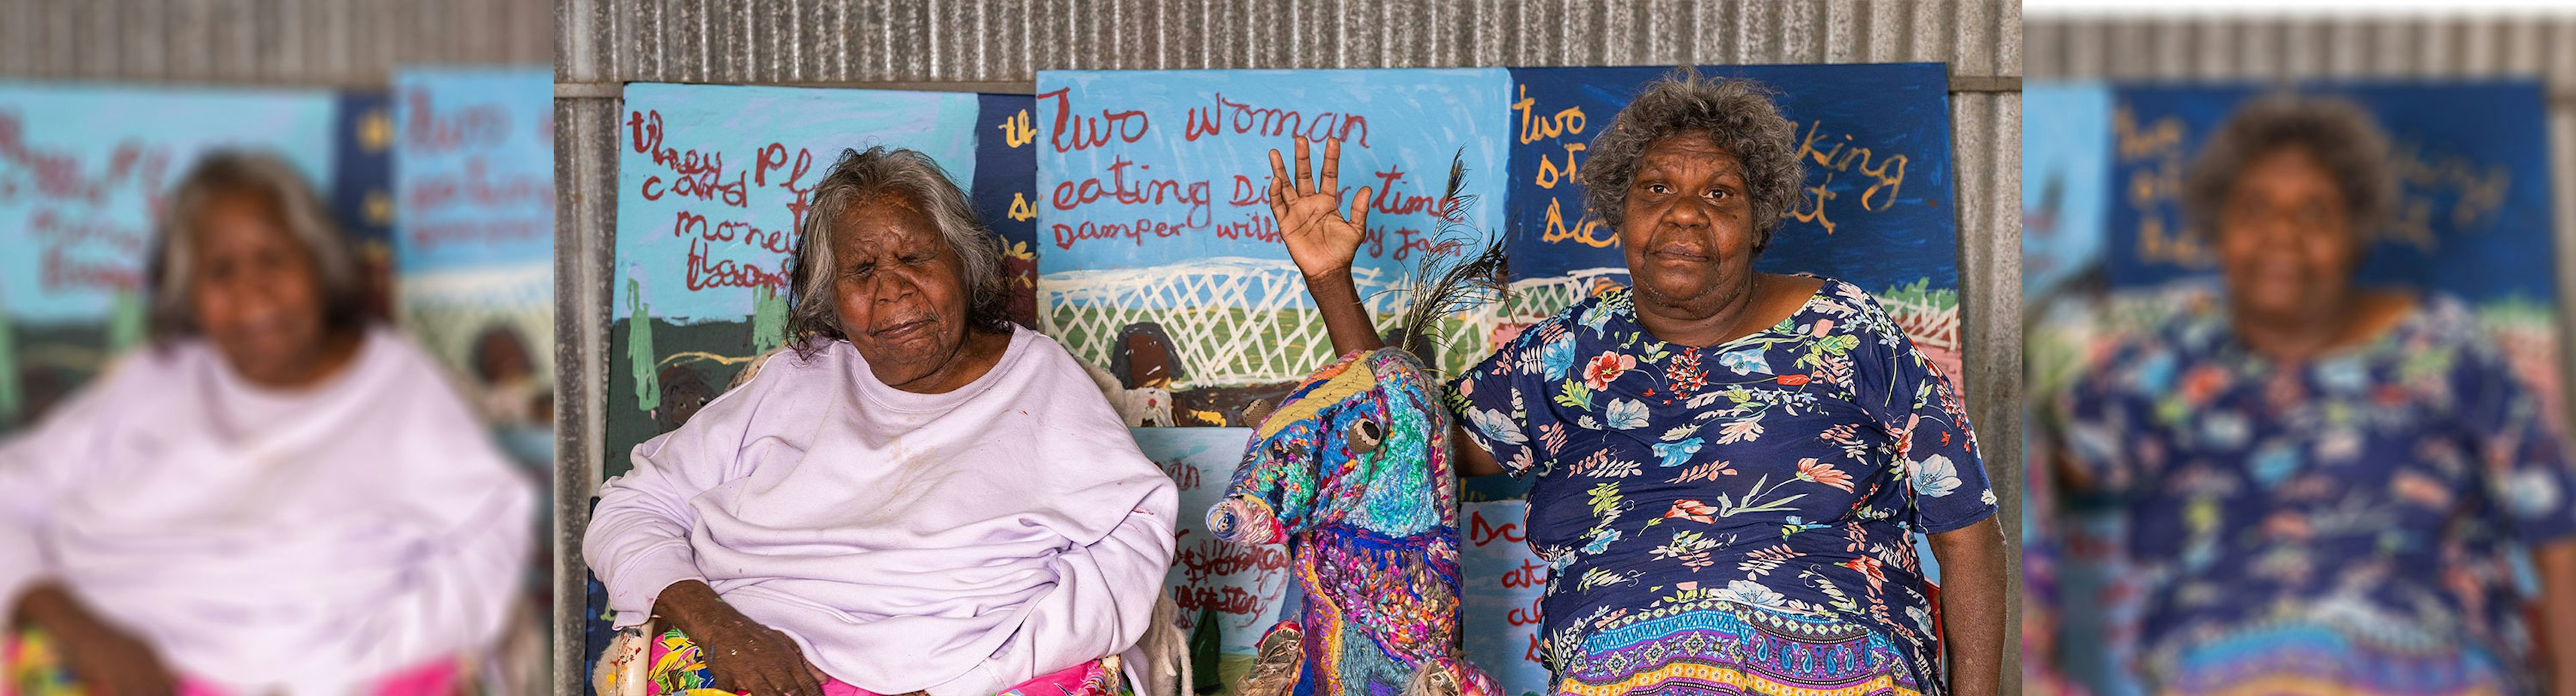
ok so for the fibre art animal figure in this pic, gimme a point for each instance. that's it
(1352, 472)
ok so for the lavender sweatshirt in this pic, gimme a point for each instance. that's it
(309, 542)
(958, 543)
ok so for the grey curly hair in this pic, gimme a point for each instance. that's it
(299, 208)
(2338, 133)
(904, 177)
(1736, 114)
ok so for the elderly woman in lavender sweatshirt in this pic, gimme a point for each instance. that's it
(276, 496)
(920, 497)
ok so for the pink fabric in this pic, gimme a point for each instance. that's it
(1063, 681)
(434, 679)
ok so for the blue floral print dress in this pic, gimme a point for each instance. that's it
(1734, 518)
(2340, 525)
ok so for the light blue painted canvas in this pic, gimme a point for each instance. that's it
(475, 173)
(2066, 172)
(1159, 169)
(84, 170)
(712, 179)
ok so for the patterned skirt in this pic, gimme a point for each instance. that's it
(2300, 659)
(1730, 649)
(673, 667)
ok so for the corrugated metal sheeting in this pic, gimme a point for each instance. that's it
(265, 42)
(999, 46)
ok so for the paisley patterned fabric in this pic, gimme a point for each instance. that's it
(1725, 647)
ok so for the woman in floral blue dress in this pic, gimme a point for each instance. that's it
(2325, 483)
(1726, 466)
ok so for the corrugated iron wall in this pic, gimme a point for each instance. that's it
(349, 43)
(1000, 46)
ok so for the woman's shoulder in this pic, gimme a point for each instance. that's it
(811, 365)
(1601, 301)
(1839, 307)
(1044, 360)
(144, 376)
(2441, 316)
(2438, 322)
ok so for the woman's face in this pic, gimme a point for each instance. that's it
(2285, 239)
(899, 291)
(255, 292)
(1689, 225)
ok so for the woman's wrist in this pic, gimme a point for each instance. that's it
(686, 604)
(47, 605)
(1333, 278)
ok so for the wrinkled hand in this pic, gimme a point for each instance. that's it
(742, 655)
(1320, 238)
(103, 657)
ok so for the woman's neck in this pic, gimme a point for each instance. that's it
(327, 359)
(2348, 319)
(976, 355)
(1764, 300)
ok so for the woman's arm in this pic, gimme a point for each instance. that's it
(1323, 241)
(2556, 562)
(101, 655)
(1972, 605)
(638, 544)
(36, 468)
(742, 655)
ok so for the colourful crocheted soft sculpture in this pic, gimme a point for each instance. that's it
(1352, 472)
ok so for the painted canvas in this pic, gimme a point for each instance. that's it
(1158, 258)
(474, 248)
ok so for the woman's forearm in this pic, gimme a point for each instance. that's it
(2557, 565)
(1337, 297)
(1972, 605)
(44, 603)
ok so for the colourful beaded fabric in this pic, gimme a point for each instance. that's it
(1352, 473)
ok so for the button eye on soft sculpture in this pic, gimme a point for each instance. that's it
(1365, 435)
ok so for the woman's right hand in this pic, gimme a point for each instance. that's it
(743, 655)
(1320, 238)
(103, 657)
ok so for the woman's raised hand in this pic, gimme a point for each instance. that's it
(1319, 237)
